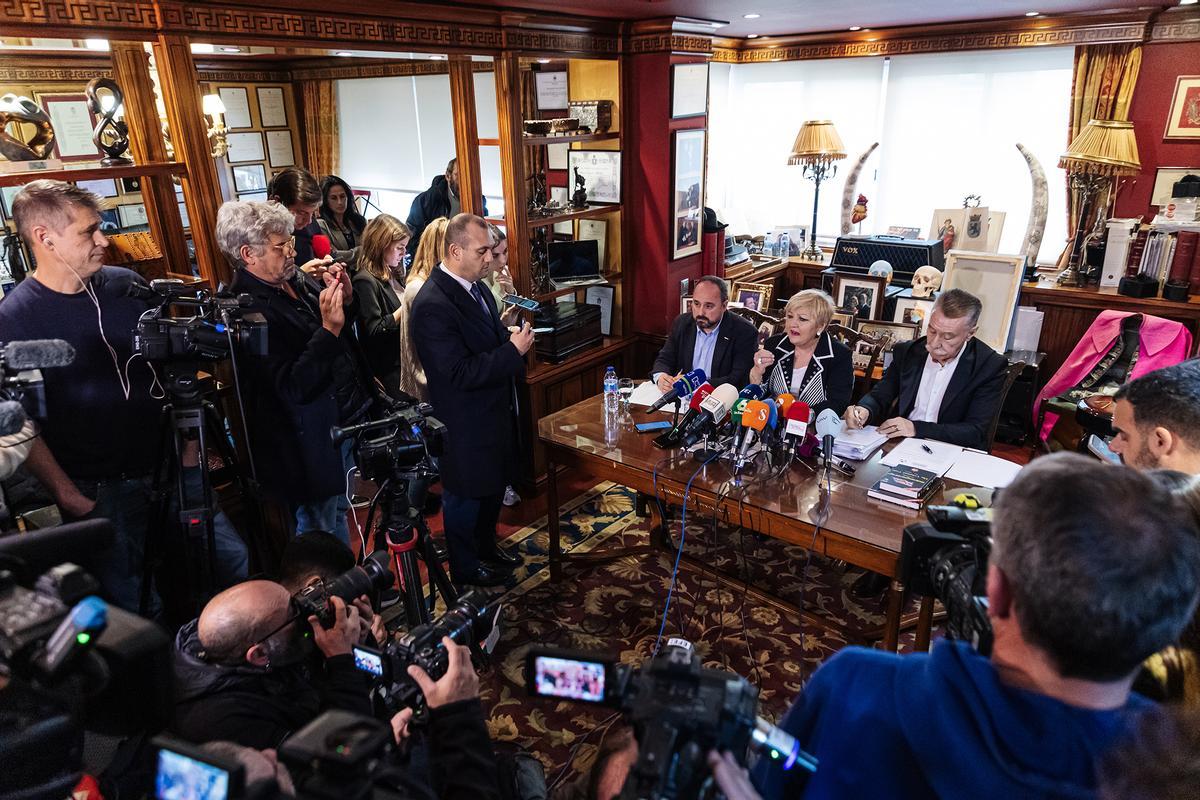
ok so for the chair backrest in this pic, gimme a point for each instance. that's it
(767, 325)
(1010, 377)
(863, 342)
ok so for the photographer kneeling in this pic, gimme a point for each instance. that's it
(1093, 568)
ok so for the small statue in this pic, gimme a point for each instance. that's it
(579, 198)
(537, 198)
(859, 212)
(23, 110)
(926, 280)
(111, 135)
(539, 261)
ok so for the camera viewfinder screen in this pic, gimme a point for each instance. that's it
(183, 778)
(574, 680)
(368, 661)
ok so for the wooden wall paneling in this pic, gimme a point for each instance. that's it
(466, 134)
(201, 190)
(512, 168)
(131, 70)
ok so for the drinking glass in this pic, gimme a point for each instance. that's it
(624, 391)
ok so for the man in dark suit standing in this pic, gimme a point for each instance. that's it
(471, 362)
(708, 338)
(945, 385)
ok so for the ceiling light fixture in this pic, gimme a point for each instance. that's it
(1188, 2)
(231, 49)
(543, 61)
(1032, 13)
(437, 58)
(751, 35)
(96, 44)
(343, 53)
(751, 16)
(856, 27)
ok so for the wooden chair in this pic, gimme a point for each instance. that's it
(851, 338)
(767, 325)
(1010, 377)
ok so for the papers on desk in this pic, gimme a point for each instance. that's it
(954, 462)
(645, 394)
(981, 469)
(927, 454)
(858, 445)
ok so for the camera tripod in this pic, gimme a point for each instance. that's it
(188, 416)
(407, 536)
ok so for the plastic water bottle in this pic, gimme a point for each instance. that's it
(611, 397)
(785, 246)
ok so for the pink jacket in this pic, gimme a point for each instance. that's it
(1161, 343)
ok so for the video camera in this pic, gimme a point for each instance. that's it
(206, 335)
(369, 578)
(71, 662)
(470, 621)
(22, 392)
(679, 711)
(397, 443)
(946, 558)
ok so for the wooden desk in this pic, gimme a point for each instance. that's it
(861, 531)
(1070, 310)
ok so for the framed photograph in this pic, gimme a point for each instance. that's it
(843, 319)
(237, 107)
(183, 216)
(859, 295)
(948, 225)
(73, 124)
(104, 187)
(689, 90)
(279, 148)
(1164, 182)
(250, 178)
(995, 279)
(1184, 122)
(913, 311)
(595, 229)
(551, 90)
(556, 156)
(601, 170)
(131, 185)
(995, 228)
(132, 215)
(245, 147)
(271, 109)
(688, 181)
(254, 197)
(754, 296)
(7, 193)
(887, 332)
(109, 221)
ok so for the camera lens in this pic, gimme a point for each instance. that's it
(373, 576)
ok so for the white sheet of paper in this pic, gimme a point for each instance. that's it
(911, 452)
(644, 394)
(981, 469)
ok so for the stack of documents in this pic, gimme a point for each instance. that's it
(858, 445)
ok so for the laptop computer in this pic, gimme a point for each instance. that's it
(574, 263)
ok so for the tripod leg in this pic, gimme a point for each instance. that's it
(415, 610)
(439, 581)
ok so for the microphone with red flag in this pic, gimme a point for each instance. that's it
(673, 437)
(713, 411)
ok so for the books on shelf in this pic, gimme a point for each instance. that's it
(905, 485)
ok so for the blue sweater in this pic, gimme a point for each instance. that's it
(938, 725)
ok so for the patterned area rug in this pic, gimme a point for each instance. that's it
(615, 608)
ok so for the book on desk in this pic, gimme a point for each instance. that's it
(905, 485)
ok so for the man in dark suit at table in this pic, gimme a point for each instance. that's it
(945, 385)
(707, 338)
(472, 362)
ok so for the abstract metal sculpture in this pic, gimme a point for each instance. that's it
(111, 134)
(21, 110)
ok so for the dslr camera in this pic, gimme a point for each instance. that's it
(369, 578)
(946, 557)
(219, 323)
(679, 711)
(471, 622)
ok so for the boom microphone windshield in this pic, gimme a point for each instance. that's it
(37, 354)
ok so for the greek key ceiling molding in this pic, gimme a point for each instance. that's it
(136, 15)
(16, 73)
(244, 76)
(557, 41)
(986, 40)
(669, 43)
(1184, 30)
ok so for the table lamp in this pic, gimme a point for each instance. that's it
(1104, 151)
(817, 146)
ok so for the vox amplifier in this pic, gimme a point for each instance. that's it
(857, 253)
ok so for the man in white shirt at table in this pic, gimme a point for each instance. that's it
(947, 385)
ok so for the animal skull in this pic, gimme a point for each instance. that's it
(926, 280)
(882, 269)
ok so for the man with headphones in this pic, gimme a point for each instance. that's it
(99, 442)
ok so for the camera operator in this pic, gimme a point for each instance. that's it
(313, 376)
(96, 454)
(239, 668)
(321, 556)
(1093, 568)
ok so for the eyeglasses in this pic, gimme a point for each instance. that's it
(283, 247)
(294, 614)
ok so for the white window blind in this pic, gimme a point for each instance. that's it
(947, 125)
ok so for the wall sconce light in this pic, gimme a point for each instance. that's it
(214, 109)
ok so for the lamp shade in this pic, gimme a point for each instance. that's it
(1103, 147)
(213, 105)
(817, 142)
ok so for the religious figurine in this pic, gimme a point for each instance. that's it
(579, 198)
(23, 110)
(947, 234)
(111, 135)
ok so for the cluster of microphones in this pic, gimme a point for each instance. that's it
(732, 422)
